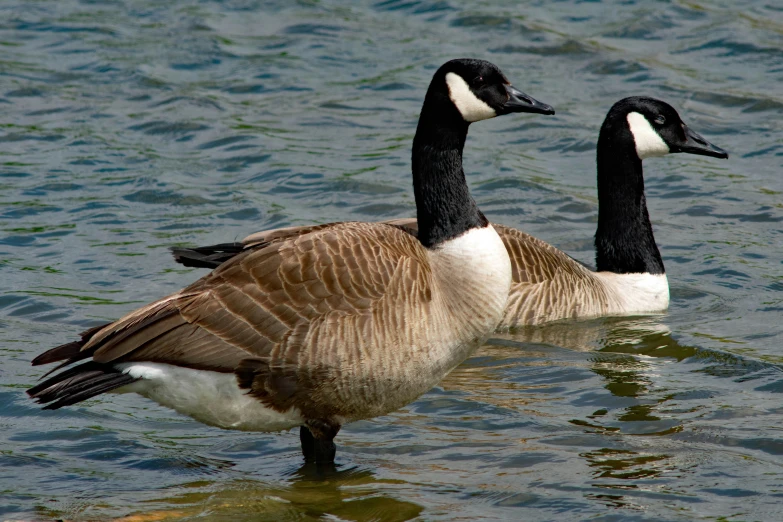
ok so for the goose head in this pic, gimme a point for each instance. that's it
(635, 128)
(477, 90)
(656, 129)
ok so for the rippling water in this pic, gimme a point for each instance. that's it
(129, 127)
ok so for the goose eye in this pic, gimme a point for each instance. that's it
(660, 120)
(478, 81)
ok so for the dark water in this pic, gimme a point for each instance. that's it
(128, 127)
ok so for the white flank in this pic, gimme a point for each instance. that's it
(210, 397)
(648, 142)
(636, 293)
(467, 103)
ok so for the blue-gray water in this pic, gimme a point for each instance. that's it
(128, 127)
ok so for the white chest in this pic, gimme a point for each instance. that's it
(474, 272)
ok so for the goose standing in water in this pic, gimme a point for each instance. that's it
(338, 324)
(548, 284)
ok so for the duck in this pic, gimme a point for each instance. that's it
(329, 326)
(548, 284)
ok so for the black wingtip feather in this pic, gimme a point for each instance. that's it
(58, 353)
(206, 257)
(77, 384)
(69, 352)
(106, 384)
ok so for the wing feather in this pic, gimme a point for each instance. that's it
(547, 284)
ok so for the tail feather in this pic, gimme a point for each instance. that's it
(88, 393)
(77, 384)
(111, 341)
(207, 257)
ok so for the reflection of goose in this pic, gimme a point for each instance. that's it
(547, 283)
(339, 324)
(611, 334)
(627, 398)
(549, 370)
(511, 367)
(310, 493)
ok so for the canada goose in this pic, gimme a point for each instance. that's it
(332, 326)
(548, 284)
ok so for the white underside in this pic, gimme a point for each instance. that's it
(210, 397)
(475, 265)
(636, 293)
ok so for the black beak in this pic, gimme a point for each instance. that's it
(695, 144)
(518, 101)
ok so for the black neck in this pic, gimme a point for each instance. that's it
(624, 242)
(444, 206)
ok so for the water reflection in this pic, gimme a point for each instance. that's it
(640, 335)
(308, 493)
(552, 370)
(627, 353)
(623, 464)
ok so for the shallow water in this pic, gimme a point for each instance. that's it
(129, 127)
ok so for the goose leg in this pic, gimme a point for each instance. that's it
(308, 443)
(317, 438)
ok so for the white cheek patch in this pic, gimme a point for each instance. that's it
(471, 108)
(648, 142)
